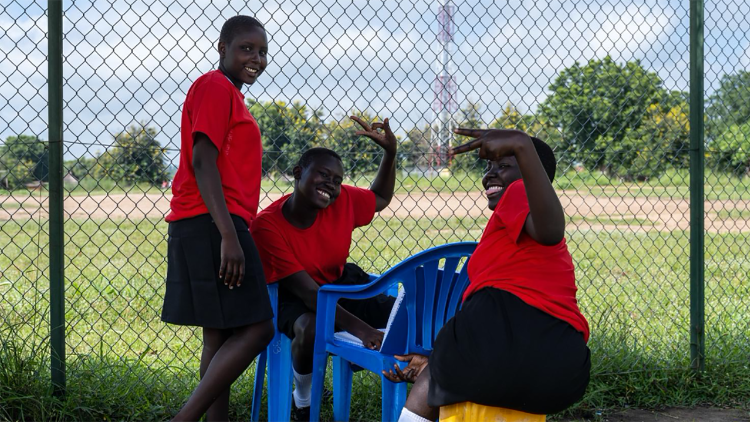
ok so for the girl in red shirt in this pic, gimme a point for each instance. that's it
(304, 242)
(519, 340)
(214, 274)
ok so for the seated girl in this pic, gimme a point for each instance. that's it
(304, 241)
(519, 340)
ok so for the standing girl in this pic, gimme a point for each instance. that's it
(214, 275)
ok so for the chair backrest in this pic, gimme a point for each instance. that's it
(434, 281)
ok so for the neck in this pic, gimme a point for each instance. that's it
(238, 84)
(298, 213)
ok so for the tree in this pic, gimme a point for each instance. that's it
(730, 151)
(599, 106)
(414, 151)
(287, 131)
(470, 116)
(135, 157)
(359, 154)
(23, 159)
(730, 104)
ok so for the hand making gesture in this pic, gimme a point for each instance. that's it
(417, 364)
(386, 139)
(493, 144)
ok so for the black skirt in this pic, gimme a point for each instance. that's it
(195, 295)
(499, 351)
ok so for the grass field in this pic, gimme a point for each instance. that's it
(633, 287)
(672, 184)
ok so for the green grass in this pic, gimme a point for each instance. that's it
(124, 363)
(673, 184)
(734, 214)
(613, 220)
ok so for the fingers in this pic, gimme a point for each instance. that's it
(406, 358)
(372, 135)
(474, 133)
(469, 146)
(362, 123)
(223, 271)
(390, 376)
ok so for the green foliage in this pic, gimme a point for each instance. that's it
(287, 130)
(534, 125)
(470, 117)
(729, 105)
(23, 159)
(359, 154)
(607, 114)
(415, 150)
(135, 157)
(730, 151)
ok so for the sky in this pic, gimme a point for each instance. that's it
(133, 61)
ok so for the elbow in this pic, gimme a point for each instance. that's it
(552, 237)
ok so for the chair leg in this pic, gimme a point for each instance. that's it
(260, 375)
(280, 379)
(342, 389)
(394, 397)
(320, 360)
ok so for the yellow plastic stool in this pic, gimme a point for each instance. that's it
(472, 412)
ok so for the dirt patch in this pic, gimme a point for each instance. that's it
(586, 212)
(673, 415)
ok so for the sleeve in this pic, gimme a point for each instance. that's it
(362, 203)
(513, 209)
(210, 111)
(278, 259)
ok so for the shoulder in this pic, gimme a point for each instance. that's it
(270, 215)
(213, 82)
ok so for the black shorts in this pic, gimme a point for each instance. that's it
(373, 311)
(499, 351)
(195, 295)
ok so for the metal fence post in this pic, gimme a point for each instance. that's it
(56, 276)
(697, 148)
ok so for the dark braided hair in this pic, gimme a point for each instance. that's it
(546, 156)
(235, 25)
(311, 154)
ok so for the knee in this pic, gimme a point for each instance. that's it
(304, 332)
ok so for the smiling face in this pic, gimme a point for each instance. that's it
(500, 174)
(245, 57)
(320, 182)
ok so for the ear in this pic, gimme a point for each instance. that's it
(222, 47)
(297, 172)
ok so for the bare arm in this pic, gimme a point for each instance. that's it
(546, 220)
(385, 180)
(304, 287)
(205, 154)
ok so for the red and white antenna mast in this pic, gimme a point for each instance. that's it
(444, 87)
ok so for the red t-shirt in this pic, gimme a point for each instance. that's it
(321, 249)
(216, 107)
(509, 259)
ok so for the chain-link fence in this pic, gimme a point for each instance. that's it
(606, 83)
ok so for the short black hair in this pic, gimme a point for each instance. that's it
(311, 154)
(235, 25)
(546, 156)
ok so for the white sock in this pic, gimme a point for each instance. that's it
(409, 416)
(302, 389)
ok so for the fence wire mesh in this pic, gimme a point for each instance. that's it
(604, 82)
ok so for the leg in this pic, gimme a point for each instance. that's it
(303, 346)
(417, 400)
(229, 362)
(213, 339)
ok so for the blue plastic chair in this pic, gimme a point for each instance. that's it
(433, 286)
(277, 360)
(278, 357)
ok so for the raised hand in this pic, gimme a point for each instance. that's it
(493, 144)
(386, 139)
